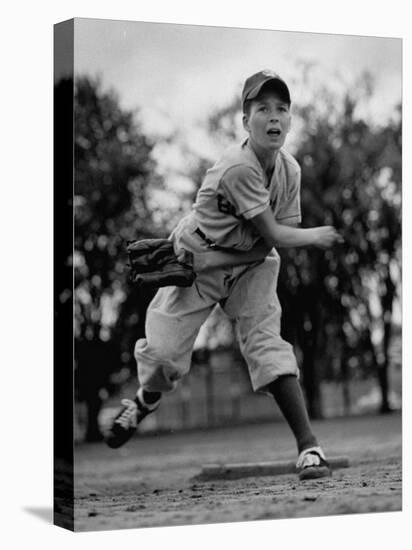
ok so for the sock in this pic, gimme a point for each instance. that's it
(288, 395)
(148, 398)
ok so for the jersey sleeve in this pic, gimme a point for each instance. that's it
(243, 189)
(290, 211)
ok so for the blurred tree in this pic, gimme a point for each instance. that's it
(352, 179)
(113, 168)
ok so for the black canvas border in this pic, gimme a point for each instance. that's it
(63, 233)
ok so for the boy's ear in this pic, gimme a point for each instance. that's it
(245, 121)
(290, 123)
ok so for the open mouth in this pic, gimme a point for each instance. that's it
(273, 132)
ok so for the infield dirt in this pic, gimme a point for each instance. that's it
(152, 482)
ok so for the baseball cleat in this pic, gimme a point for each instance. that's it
(126, 421)
(312, 464)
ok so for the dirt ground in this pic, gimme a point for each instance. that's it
(152, 481)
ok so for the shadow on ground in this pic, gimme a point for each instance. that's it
(45, 514)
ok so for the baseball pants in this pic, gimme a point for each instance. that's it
(247, 294)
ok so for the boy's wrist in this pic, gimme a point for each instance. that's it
(314, 236)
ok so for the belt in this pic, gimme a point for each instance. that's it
(212, 244)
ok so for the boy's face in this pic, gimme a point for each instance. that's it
(268, 121)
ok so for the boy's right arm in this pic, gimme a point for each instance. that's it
(278, 235)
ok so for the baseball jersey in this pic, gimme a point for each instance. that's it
(236, 189)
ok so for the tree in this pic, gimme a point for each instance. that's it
(352, 179)
(113, 170)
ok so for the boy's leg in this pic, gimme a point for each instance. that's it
(288, 395)
(151, 397)
(173, 320)
(272, 364)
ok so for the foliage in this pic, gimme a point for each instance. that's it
(113, 170)
(351, 179)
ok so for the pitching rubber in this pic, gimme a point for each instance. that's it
(253, 469)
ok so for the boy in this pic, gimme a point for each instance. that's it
(248, 205)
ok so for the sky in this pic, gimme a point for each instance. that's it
(178, 73)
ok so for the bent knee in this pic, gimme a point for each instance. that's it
(157, 370)
(156, 352)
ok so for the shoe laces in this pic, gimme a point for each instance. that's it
(128, 417)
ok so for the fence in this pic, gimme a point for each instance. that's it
(217, 392)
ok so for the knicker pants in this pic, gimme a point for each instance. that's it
(247, 294)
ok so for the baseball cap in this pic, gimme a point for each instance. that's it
(254, 84)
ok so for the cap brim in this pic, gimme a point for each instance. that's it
(276, 81)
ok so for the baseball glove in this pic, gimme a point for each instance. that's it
(154, 263)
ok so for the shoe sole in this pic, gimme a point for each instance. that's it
(114, 441)
(314, 472)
